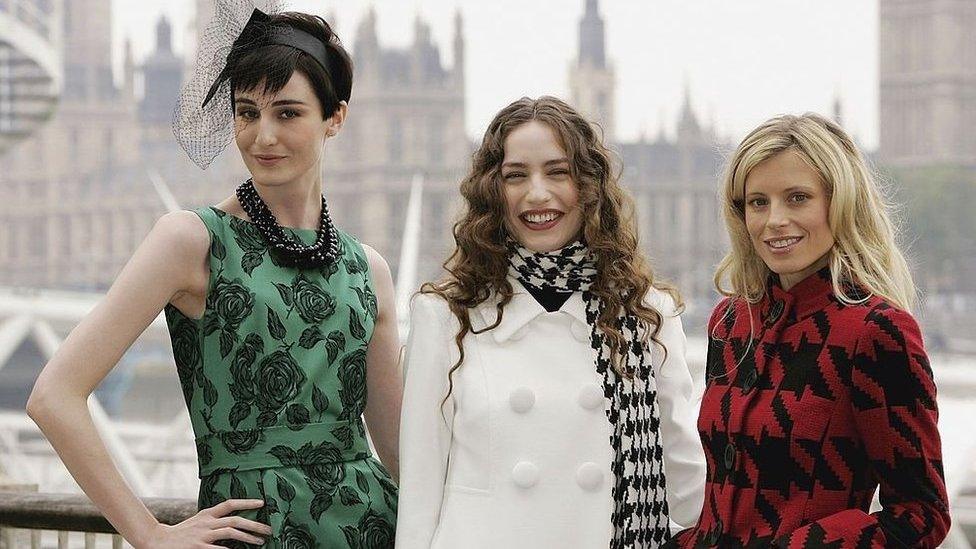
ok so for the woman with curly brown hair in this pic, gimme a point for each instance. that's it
(547, 401)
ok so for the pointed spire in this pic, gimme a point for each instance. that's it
(458, 45)
(367, 44)
(164, 35)
(592, 49)
(688, 126)
(421, 30)
(686, 101)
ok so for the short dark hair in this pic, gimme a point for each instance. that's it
(273, 65)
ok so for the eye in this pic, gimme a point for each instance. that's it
(510, 176)
(559, 173)
(289, 113)
(798, 197)
(757, 202)
(247, 114)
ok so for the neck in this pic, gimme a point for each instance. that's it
(788, 280)
(297, 203)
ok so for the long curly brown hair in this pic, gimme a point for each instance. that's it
(478, 267)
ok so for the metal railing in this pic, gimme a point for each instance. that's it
(25, 516)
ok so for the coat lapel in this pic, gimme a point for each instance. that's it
(521, 310)
(576, 307)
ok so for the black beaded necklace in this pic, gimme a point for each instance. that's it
(288, 250)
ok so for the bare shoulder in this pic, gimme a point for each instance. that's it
(382, 281)
(377, 265)
(180, 245)
(180, 233)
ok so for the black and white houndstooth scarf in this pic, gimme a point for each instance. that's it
(640, 510)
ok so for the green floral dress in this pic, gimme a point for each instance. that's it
(274, 376)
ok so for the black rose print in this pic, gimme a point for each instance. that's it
(240, 442)
(352, 381)
(279, 380)
(297, 536)
(356, 328)
(186, 351)
(313, 303)
(231, 302)
(367, 299)
(373, 532)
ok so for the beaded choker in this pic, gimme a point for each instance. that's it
(288, 250)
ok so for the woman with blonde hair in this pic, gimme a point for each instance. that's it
(547, 402)
(818, 386)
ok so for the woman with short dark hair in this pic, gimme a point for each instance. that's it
(279, 320)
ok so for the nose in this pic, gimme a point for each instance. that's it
(538, 190)
(267, 131)
(778, 215)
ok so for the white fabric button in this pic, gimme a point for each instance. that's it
(591, 396)
(522, 399)
(580, 331)
(525, 474)
(589, 476)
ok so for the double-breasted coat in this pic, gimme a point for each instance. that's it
(519, 453)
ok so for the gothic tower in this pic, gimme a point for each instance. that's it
(591, 78)
(406, 119)
(88, 50)
(162, 77)
(928, 83)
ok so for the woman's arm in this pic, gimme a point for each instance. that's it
(425, 424)
(684, 459)
(384, 389)
(166, 266)
(893, 395)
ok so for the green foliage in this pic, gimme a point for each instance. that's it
(937, 215)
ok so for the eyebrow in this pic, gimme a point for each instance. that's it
(553, 162)
(794, 188)
(279, 103)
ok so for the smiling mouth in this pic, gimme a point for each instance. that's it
(541, 220)
(267, 159)
(783, 245)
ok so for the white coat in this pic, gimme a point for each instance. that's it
(519, 455)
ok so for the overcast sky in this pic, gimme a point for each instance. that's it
(743, 61)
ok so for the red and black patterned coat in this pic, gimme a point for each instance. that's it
(800, 428)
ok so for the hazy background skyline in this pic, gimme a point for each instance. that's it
(89, 168)
(780, 56)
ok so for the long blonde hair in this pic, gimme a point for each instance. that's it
(478, 267)
(865, 253)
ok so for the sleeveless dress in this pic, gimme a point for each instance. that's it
(274, 376)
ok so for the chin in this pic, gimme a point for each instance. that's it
(269, 177)
(545, 245)
(788, 267)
